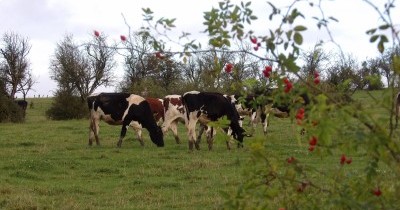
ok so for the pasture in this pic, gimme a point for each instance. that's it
(47, 164)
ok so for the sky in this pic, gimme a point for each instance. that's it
(46, 22)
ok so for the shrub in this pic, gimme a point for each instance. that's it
(10, 111)
(66, 106)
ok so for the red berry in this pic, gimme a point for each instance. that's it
(290, 160)
(266, 74)
(123, 38)
(349, 160)
(313, 141)
(288, 87)
(342, 159)
(228, 67)
(259, 44)
(268, 68)
(316, 74)
(159, 55)
(256, 48)
(316, 81)
(253, 40)
(96, 33)
(377, 192)
(300, 116)
(285, 80)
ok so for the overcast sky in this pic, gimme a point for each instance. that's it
(46, 22)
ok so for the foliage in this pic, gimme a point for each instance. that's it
(9, 110)
(67, 106)
(333, 128)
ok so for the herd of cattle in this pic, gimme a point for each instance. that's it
(158, 115)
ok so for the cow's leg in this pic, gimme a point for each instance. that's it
(174, 128)
(228, 141)
(139, 136)
(191, 126)
(210, 137)
(94, 130)
(122, 135)
(138, 130)
(264, 120)
(253, 120)
(201, 131)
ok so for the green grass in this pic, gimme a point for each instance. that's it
(47, 164)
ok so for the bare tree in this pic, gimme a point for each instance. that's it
(26, 84)
(81, 72)
(101, 64)
(137, 62)
(15, 65)
(314, 60)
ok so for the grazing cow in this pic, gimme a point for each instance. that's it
(250, 106)
(23, 105)
(156, 107)
(260, 106)
(122, 109)
(174, 112)
(209, 106)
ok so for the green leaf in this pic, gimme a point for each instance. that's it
(383, 27)
(373, 38)
(300, 28)
(371, 31)
(298, 39)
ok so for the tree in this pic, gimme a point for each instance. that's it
(385, 64)
(81, 72)
(14, 65)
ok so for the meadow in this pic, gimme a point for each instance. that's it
(48, 164)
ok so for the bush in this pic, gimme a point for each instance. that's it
(10, 111)
(66, 106)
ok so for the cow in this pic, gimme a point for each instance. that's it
(122, 109)
(174, 112)
(156, 107)
(261, 104)
(209, 106)
(249, 106)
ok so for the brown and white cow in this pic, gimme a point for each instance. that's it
(122, 109)
(209, 106)
(174, 112)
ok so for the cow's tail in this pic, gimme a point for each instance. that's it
(184, 104)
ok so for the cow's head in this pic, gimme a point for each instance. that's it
(157, 137)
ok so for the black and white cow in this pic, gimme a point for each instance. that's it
(122, 109)
(259, 106)
(209, 106)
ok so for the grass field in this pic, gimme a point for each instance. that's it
(47, 164)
